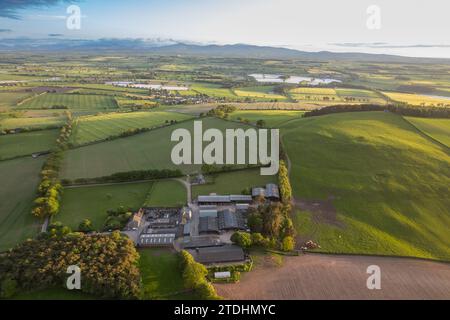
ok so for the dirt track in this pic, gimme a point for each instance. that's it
(316, 276)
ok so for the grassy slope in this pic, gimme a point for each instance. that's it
(72, 101)
(93, 202)
(166, 193)
(438, 129)
(150, 150)
(19, 180)
(37, 122)
(13, 145)
(390, 184)
(232, 182)
(93, 128)
(273, 118)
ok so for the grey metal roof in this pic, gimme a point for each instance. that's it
(156, 239)
(214, 199)
(208, 213)
(256, 192)
(272, 191)
(240, 197)
(208, 224)
(224, 254)
(230, 220)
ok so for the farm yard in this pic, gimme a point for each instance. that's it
(389, 189)
(99, 127)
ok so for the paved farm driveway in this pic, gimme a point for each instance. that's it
(317, 276)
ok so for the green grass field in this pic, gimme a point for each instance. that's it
(10, 99)
(161, 276)
(389, 183)
(92, 202)
(31, 122)
(19, 180)
(13, 145)
(232, 182)
(166, 193)
(94, 128)
(438, 129)
(149, 150)
(260, 93)
(71, 101)
(273, 118)
(213, 90)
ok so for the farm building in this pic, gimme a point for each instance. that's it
(222, 200)
(229, 220)
(136, 220)
(208, 225)
(156, 239)
(202, 242)
(223, 254)
(270, 192)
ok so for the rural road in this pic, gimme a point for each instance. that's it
(339, 277)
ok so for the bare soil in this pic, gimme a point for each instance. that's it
(320, 276)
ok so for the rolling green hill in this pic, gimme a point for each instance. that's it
(389, 185)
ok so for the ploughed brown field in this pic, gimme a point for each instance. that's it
(317, 276)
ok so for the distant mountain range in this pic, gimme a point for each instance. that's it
(171, 47)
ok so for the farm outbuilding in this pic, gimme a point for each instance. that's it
(223, 254)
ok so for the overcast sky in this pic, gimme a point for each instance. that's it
(408, 27)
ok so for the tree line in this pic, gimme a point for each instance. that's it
(136, 175)
(401, 109)
(49, 190)
(195, 277)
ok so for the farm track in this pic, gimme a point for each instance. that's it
(341, 277)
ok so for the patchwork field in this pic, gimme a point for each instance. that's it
(418, 100)
(213, 90)
(166, 193)
(150, 150)
(10, 99)
(20, 144)
(232, 182)
(70, 101)
(272, 118)
(31, 122)
(19, 180)
(99, 127)
(260, 93)
(438, 129)
(369, 183)
(93, 202)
